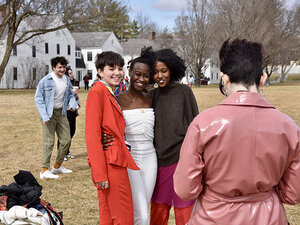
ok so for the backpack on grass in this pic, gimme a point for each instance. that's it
(54, 217)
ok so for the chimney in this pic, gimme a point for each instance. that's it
(151, 36)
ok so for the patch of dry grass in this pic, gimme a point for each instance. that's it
(21, 148)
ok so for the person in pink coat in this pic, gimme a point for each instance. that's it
(241, 158)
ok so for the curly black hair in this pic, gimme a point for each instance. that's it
(59, 59)
(175, 64)
(147, 56)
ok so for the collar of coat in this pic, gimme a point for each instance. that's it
(247, 99)
(115, 103)
(108, 87)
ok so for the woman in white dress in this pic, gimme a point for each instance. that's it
(139, 118)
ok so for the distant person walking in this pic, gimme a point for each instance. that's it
(53, 97)
(126, 81)
(267, 82)
(191, 81)
(86, 79)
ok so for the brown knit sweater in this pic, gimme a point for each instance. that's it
(175, 107)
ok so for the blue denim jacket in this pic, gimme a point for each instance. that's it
(44, 97)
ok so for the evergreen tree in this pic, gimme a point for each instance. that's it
(108, 15)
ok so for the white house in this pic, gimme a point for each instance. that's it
(30, 61)
(93, 43)
(212, 71)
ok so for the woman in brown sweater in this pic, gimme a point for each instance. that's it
(175, 107)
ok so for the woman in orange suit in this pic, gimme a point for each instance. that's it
(109, 167)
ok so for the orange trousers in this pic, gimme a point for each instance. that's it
(160, 214)
(115, 203)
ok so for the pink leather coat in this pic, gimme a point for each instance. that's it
(241, 161)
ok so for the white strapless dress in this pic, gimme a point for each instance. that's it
(139, 133)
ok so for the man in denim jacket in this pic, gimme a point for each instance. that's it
(53, 97)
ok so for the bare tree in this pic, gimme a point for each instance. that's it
(243, 19)
(32, 71)
(193, 29)
(22, 20)
(9, 78)
(146, 25)
(284, 44)
(287, 57)
(265, 21)
(289, 53)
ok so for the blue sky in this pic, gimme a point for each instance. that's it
(163, 12)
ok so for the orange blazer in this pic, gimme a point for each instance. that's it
(103, 114)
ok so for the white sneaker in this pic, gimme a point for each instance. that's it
(61, 169)
(48, 175)
(71, 156)
(65, 159)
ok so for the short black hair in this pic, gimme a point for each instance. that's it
(241, 60)
(147, 56)
(59, 59)
(108, 58)
(175, 64)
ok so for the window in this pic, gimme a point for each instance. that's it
(79, 75)
(46, 48)
(212, 76)
(217, 76)
(57, 49)
(89, 56)
(69, 49)
(77, 54)
(33, 73)
(15, 51)
(46, 69)
(90, 73)
(33, 51)
(15, 73)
